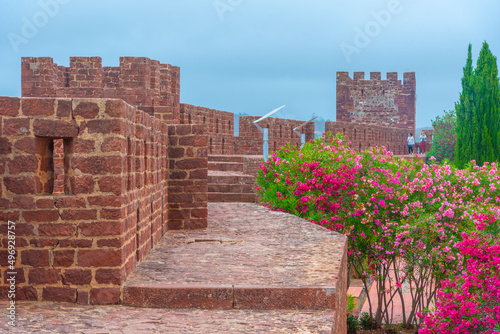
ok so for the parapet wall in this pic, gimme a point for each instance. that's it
(147, 84)
(155, 88)
(220, 125)
(92, 184)
(389, 103)
(363, 136)
(250, 140)
(188, 172)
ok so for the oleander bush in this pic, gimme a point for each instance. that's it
(469, 301)
(406, 221)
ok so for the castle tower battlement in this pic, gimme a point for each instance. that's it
(389, 103)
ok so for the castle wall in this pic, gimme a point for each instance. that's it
(92, 184)
(96, 163)
(389, 103)
(220, 126)
(188, 171)
(147, 84)
(281, 132)
(363, 136)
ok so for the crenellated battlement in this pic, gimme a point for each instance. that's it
(140, 81)
(344, 78)
(390, 102)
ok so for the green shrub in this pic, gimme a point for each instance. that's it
(351, 303)
(352, 324)
(367, 322)
(445, 137)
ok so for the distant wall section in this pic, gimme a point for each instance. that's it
(220, 126)
(280, 132)
(363, 136)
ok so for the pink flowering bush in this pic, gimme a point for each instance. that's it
(316, 182)
(405, 220)
(469, 302)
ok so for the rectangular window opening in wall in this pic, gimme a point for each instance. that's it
(63, 149)
(54, 170)
(58, 161)
(46, 165)
(66, 79)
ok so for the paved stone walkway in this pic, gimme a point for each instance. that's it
(245, 244)
(71, 319)
(247, 258)
(251, 271)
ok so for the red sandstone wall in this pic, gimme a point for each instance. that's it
(281, 132)
(363, 136)
(188, 170)
(388, 103)
(86, 180)
(154, 88)
(147, 84)
(220, 125)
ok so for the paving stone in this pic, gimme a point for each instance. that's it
(226, 158)
(226, 166)
(69, 318)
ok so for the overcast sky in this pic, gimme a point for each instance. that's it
(251, 56)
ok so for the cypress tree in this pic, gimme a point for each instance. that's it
(488, 104)
(464, 115)
(478, 111)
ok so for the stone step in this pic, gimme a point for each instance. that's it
(224, 186)
(226, 166)
(249, 258)
(229, 178)
(220, 297)
(231, 188)
(232, 197)
(73, 318)
(226, 158)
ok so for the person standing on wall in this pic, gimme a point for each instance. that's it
(423, 142)
(411, 142)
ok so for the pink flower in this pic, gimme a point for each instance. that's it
(448, 213)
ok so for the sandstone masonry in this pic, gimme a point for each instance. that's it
(386, 103)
